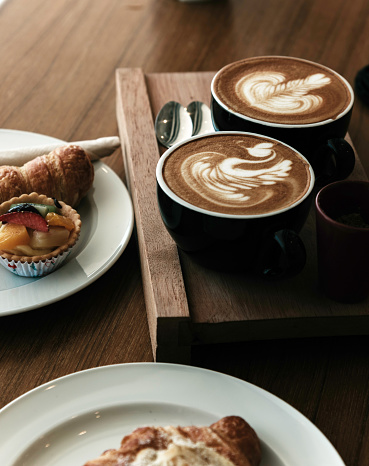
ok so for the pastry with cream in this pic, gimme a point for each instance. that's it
(231, 441)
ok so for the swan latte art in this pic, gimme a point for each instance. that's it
(237, 174)
(282, 90)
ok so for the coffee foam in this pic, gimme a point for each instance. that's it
(237, 174)
(282, 90)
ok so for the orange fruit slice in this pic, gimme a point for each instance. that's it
(12, 234)
(57, 220)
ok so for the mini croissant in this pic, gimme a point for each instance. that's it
(231, 441)
(65, 173)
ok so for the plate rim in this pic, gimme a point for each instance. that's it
(103, 268)
(293, 415)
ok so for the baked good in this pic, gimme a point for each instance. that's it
(65, 173)
(37, 234)
(231, 441)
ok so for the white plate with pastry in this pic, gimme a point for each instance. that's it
(104, 236)
(76, 418)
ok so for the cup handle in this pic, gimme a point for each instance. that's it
(283, 255)
(334, 161)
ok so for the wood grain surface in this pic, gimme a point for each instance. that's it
(164, 289)
(216, 306)
(58, 77)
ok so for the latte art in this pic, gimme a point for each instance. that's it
(274, 93)
(229, 181)
(237, 174)
(282, 90)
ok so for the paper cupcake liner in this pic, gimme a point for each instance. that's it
(38, 266)
(34, 269)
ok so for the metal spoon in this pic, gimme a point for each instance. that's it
(201, 118)
(173, 124)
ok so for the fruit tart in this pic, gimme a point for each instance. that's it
(37, 234)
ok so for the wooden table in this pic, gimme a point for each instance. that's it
(57, 77)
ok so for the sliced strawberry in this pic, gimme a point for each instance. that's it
(28, 219)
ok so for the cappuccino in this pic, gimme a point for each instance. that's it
(237, 174)
(282, 91)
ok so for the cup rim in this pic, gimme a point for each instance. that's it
(179, 200)
(284, 125)
(329, 187)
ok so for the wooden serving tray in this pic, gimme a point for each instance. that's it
(186, 303)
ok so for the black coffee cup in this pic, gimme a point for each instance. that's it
(265, 244)
(321, 142)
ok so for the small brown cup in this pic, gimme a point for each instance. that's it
(342, 222)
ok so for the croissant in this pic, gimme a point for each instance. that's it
(231, 441)
(65, 173)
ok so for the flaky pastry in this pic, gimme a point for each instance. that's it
(231, 441)
(65, 173)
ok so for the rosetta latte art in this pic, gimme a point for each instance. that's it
(273, 93)
(231, 181)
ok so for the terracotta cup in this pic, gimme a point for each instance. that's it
(342, 221)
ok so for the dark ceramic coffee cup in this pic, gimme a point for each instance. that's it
(264, 243)
(342, 221)
(320, 139)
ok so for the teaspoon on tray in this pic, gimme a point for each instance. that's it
(175, 123)
(201, 118)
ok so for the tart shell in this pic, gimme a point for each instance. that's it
(37, 266)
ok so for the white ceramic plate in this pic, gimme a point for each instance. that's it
(107, 223)
(77, 417)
